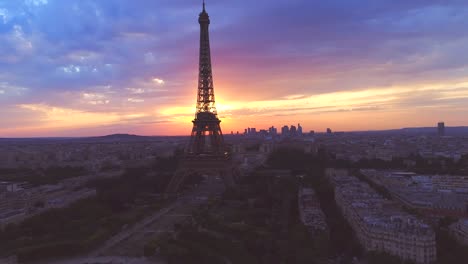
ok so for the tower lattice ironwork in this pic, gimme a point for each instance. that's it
(206, 137)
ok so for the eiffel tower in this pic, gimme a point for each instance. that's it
(206, 133)
(206, 152)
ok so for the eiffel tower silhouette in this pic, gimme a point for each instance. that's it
(206, 152)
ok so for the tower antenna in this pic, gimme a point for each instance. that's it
(203, 5)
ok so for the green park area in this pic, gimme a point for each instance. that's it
(81, 227)
(256, 222)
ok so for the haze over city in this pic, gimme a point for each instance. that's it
(81, 68)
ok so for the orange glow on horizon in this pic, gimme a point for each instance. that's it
(371, 108)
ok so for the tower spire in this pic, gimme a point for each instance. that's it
(204, 6)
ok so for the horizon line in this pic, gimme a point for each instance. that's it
(227, 134)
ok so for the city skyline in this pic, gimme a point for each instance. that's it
(85, 68)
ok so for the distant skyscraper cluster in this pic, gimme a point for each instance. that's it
(286, 131)
(252, 131)
(273, 130)
(291, 131)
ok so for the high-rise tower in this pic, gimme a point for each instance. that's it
(441, 129)
(206, 137)
(206, 153)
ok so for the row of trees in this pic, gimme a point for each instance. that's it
(414, 163)
(343, 245)
(38, 177)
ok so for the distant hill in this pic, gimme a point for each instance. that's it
(129, 137)
(119, 137)
(449, 131)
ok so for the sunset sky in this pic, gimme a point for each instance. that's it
(97, 67)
